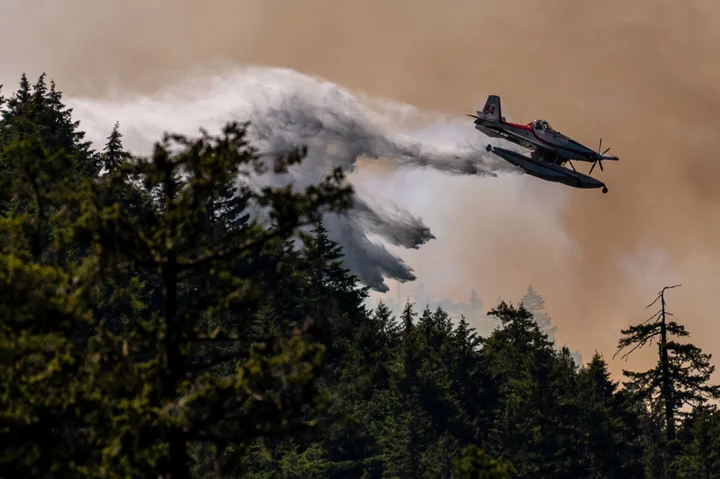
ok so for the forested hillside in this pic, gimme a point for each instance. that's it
(159, 318)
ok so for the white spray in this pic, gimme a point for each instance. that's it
(288, 109)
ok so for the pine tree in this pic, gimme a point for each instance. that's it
(113, 154)
(477, 464)
(46, 410)
(476, 314)
(169, 319)
(48, 406)
(535, 304)
(42, 156)
(38, 113)
(679, 379)
(324, 259)
(406, 426)
(172, 353)
(699, 437)
(610, 448)
(535, 409)
(471, 384)
(476, 304)
(683, 370)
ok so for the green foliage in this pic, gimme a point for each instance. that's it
(680, 378)
(164, 317)
(114, 155)
(476, 464)
(196, 259)
(688, 367)
(699, 439)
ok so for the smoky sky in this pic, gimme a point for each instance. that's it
(644, 75)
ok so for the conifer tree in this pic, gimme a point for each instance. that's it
(535, 421)
(170, 360)
(477, 464)
(46, 408)
(171, 319)
(114, 154)
(38, 113)
(611, 446)
(535, 304)
(46, 427)
(42, 152)
(406, 426)
(476, 304)
(682, 372)
(699, 437)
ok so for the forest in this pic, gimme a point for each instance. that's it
(172, 316)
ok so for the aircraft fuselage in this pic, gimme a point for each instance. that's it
(530, 136)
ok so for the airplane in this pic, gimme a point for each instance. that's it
(551, 149)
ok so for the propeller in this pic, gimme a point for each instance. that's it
(599, 161)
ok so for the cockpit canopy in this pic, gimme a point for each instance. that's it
(542, 125)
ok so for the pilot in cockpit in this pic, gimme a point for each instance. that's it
(542, 125)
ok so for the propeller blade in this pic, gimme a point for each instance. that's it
(599, 161)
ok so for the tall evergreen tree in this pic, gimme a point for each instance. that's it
(45, 325)
(535, 304)
(42, 151)
(113, 154)
(699, 437)
(610, 447)
(679, 379)
(153, 324)
(682, 373)
(405, 428)
(47, 397)
(535, 409)
(38, 113)
(169, 376)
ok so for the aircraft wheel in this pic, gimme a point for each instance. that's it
(604, 189)
(488, 147)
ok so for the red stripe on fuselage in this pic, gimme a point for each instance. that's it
(519, 126)
(529, 128)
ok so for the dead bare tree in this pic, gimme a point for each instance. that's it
(681, 375)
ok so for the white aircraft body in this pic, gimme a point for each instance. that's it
(551, 149)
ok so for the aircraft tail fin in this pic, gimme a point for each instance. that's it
(491, 111)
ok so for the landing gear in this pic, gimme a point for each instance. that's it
(604, 189)
(488, 148)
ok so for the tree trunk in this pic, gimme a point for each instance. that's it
(178, 457)
(666, 386)
(179, 460)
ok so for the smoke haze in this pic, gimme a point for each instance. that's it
(644, 75)
(288, 109)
